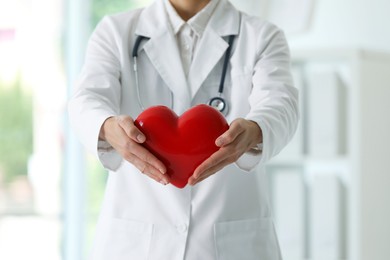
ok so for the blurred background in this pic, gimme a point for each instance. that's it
(330, 188)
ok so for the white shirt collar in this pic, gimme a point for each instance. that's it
(197, 23)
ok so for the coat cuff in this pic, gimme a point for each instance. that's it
(249, 160)
(105, 153)
(108, 156)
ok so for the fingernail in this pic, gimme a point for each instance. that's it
(219, 142)
(164, 182)
(141, 138)
(162, 170)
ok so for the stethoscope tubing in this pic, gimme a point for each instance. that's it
(225, 64)
(214, 102)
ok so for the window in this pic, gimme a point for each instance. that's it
(41, 50)
(32, 97)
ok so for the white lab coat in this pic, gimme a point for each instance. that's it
(227, 216)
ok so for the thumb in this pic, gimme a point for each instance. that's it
(230, 135)
(127, 124)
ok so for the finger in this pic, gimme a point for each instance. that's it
(162, 180)
(211, 171)
(138, 150)
(130, 129)
(151, 172)
(231, 153)
(146, 156)
(148, 169)
(230, 135)
(196, 181)
(193, 181)
(214, 159)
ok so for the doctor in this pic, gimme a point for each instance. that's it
(224, 213)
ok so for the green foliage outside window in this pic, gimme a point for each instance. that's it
(16, 139)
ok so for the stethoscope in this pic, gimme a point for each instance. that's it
(218, 102)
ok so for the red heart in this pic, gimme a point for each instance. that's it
(181, 143)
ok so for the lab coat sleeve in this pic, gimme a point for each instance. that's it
(97, 93)
(273, 100)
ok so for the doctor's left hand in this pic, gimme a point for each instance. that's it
(241, 137)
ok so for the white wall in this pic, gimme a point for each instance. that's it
(343, 24)
(346, 23)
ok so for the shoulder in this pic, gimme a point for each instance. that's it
(258, 25)
(120, 22)
(126, 16)
(262, 34)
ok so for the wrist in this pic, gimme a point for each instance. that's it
(257, 133)
(102, 133)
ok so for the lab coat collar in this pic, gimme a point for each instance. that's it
(225, 20)
(152, 20)
(164, 54)
(197, 23)
(212, 46)
(175, 20)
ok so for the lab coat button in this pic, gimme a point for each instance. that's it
(182, 228)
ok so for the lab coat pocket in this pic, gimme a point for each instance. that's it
(253, 239)
(122, 239)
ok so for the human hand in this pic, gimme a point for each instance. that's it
(121, 133)
(241, 137)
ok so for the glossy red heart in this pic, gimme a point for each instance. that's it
(181, 143)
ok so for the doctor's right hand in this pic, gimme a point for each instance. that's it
(121, 133)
